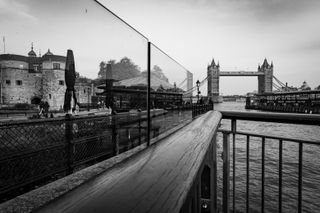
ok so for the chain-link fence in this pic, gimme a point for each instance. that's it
(42, 150)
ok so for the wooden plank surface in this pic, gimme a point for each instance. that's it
(157, 179)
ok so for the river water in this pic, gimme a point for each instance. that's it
(311, 163)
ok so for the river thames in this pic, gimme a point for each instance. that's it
(311, 162)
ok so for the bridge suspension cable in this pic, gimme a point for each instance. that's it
(182, 83)
(277, 87)
(279, 82)
(195, 87)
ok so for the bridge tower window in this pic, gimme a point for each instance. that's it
(56, 66)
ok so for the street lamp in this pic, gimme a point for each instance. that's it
(198, 91)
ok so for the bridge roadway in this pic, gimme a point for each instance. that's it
(241, 73)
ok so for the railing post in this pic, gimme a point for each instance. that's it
(115, 140)
(148, 93)
(192, 110)
(226, 171)
(248, 174)
(139, 127)
(233, 130)
(262, 173)
(300, 178)
(215, 172)
(69, 143)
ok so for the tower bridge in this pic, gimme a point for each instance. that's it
(241, 73)
(264, 74)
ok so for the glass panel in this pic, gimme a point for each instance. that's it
(110, 61)
(171, 92)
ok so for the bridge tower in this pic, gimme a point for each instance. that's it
(213, 75)
(265, 81)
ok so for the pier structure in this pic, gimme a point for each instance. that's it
(264, 74)
(292, 102)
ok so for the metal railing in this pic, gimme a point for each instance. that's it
(198, 109)
(263, 117)
(35, 152)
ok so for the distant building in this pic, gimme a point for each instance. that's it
(32, 79)
(304, 86)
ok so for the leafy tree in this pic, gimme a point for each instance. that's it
(82, 79)
(121, 70)
(157, 71)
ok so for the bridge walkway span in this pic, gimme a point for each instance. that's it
(241, 73)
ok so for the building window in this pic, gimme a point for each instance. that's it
(49, 96)
(84, 91)
(61, 83)
(8, 82)
(19, 82)
(56, 66)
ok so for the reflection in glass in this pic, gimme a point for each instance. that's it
(171, 91)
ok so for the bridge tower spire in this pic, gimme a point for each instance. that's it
(213, 75)
(265, 81)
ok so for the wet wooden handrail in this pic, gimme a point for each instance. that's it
(292, 118)
(158, 179)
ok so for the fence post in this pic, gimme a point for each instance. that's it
(192, 110)
(115, 140)
(226, 171)
(69, 143)
(139, 127)
(148, 94)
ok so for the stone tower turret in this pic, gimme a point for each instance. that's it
(213, 74)
(265, 82)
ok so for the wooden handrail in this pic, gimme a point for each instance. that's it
(158, 179)
(292, 118)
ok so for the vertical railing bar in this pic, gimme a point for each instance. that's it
(69, 143)
(300, 178)
(248, 175)
(262, 174)
(148, 94)
(280, 177)
(139, 128)
(226, 172)
(115, 132)
(215, 179)
(234, 129)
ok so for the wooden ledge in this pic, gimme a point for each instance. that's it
(157, 179)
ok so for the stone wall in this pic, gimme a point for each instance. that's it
(21, 85)
(268, 79)
(53, 88)
(84, 92)
(213, 75)
(265, 82)
(18, 85)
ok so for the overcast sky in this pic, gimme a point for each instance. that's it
(238, 34)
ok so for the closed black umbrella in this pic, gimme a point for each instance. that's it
(70, 79)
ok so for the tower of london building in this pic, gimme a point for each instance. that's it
(32, 79)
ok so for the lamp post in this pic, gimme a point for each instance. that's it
(198, 91)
